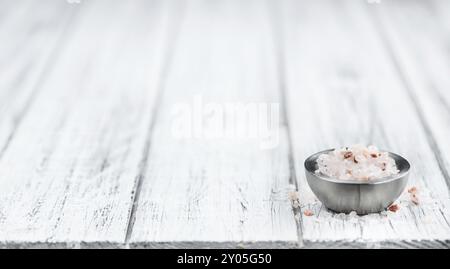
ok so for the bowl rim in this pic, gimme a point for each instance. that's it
(401, 174)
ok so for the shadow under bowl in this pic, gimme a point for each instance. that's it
(345, 196)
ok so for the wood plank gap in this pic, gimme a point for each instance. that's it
(171, 40)
(278, 33)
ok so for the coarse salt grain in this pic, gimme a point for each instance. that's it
(356, 163)
(308, 213)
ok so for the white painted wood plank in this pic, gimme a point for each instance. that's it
(342, 88)
(438, 11)
(69, 174)
(203, 192)
(418, 36)
(29, 41)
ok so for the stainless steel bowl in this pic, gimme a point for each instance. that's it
(351, 195)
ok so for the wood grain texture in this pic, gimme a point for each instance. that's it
(343, 88)
(217, 192)
(29, 41)
(69, 174)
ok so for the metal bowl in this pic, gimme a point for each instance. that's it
(345, 196)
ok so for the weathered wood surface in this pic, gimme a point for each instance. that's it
(200, 192)
(88, 157)
(343, 78)
(69, 174)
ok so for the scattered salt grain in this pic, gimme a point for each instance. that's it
(356, 162)
(308, 213)
(294, 198)
(353, 217)
(384, 213)
(413, 195)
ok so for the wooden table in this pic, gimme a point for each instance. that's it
(87, 91)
